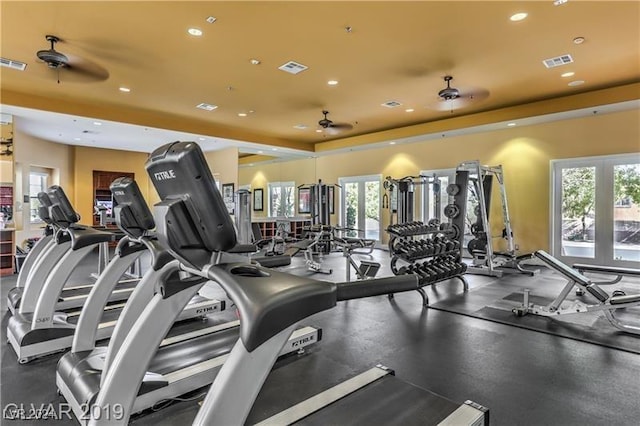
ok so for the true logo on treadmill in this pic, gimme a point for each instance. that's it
(302, 341)
(118, 192)
(165, 174)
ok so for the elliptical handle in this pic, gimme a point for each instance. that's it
(376, 287)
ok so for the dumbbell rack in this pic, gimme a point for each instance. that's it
(427, 251)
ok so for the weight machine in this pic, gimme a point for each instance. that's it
(401, 197)
(485, 259)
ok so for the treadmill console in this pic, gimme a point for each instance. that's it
(61, 211)
(192, 219)
(132, 214)
(43, 210)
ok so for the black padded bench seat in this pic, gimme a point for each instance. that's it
(565, 270)
(613, 270)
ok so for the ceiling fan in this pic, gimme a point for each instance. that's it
(333, 128)
(451, 98)
(80, 70)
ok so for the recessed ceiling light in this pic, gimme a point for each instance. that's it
(332, 82)
(318, 130)
(242, 114)
(211, 19)
(97, 123)
(195, 32)
(255, 61)
(392, 143)
(124, 89)
(301, 126)
(568, 74)
(576, 83)
(559, 2)
(511, 124)
(578, 40)
(409, 110)
(518, 16)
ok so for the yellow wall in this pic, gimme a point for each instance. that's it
(30, 151)
(6, 171)
(88, 159)
(524, 152)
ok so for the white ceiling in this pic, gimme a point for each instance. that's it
(82, 131)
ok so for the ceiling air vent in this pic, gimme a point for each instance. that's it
(20, 66)
(206, 107)
(293, 67)
(391, 104)
(557, 61)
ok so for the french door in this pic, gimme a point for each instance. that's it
(596, 210)
(360, 206)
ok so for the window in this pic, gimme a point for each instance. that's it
(596, 210)
(38, 182)
(281, 199)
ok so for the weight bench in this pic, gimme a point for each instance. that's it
(618, 272)
(307, 245)
(559, 306)
(366, 269)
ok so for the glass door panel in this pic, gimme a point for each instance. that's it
(351, 208)
(372, 210)
(578, 211)
(626, 212)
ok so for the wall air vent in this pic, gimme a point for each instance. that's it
(391, 104)
(206, 107)
(557, 61)
(293, 67)
(20, 66)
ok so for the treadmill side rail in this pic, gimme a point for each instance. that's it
(469, 413)
(331, 395)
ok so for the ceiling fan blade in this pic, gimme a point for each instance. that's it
(343, 127)
(83, 71)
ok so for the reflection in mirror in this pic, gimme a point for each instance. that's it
(6, 171)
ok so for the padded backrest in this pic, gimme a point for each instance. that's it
(565, 270)
(192, 219)
(61, 211)
(132, 214)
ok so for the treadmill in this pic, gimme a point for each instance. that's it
(41, 260)
(193, 225)
(189, 355)
(45, 330)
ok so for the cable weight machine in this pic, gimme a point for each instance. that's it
(474, 186)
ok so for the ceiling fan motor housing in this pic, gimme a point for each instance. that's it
(52, 58)
(449, 93)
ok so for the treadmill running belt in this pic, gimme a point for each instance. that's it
(388, 400)
(107, 316)
(74, 292)
(193, 351)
